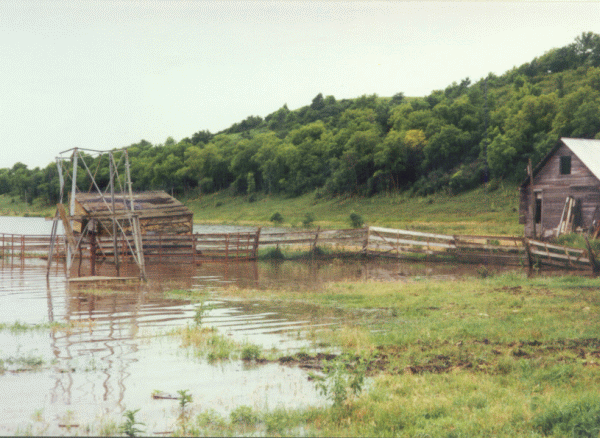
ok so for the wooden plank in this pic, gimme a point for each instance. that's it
(413, 242)
(551, 246)
(411, 233)
(559, 256)
(67, 227)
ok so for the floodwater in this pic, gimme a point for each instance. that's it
(116, 351)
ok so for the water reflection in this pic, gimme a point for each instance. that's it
(111, 354)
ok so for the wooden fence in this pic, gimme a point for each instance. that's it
(23, 246)
(370, 241)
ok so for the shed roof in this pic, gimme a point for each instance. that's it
(588, 151)
(145, 204)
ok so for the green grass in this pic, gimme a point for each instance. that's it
(18, 327)
(12, 206)
(503, 356)
(500, 356)
(206, 342)
(474, 212)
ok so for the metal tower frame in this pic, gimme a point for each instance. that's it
(77, 156)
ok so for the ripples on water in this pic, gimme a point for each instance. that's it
(115, 354)
(112, 358)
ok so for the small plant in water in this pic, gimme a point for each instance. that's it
(129, 426)
(200, 313)
(184, 398)
(243, 415)
(251, 352)
(341, 378)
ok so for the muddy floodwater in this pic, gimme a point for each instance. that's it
(99, 354)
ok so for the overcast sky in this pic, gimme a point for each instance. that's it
(105, 74)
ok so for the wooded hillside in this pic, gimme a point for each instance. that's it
(453, 139)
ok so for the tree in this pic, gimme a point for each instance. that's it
(317, 103)
(201, 137)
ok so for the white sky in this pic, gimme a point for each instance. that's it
(105, 74)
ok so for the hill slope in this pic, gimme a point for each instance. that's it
(451, 140)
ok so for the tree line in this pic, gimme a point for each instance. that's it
(453, 139)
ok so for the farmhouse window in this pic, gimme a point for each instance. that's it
(538, 210)
(565, 165)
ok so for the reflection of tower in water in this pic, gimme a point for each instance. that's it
(100, 339)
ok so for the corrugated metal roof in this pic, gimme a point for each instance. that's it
(588, 151)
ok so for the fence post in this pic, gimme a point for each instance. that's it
(256, 243)
(593, 262)
(366, 243)
(314, 245)
(528, 252)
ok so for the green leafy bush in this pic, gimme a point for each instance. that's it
(277, 218)
(356, 220)
(243, 415)
(129, 426)
(308, 220)
(250, 352)
(343, 376)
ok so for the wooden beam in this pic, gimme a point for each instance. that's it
(532, 195)
(67, 226)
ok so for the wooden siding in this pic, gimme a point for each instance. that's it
(553, 189)
(158, 212)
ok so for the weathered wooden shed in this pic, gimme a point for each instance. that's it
(158, 212)
(565, 194)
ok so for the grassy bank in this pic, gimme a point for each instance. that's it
(500, 356)
(12, 206)
(479, 211)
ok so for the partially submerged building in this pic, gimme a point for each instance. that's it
(158, 213)
(565, 194)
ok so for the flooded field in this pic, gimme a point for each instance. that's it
(79, 354)
(112, 351)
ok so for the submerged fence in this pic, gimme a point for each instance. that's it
(369, 241)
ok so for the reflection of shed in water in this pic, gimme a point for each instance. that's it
(158, 213)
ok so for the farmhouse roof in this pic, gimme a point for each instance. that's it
(588, 151)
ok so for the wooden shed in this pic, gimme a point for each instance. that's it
(565, 194)
(158, 212)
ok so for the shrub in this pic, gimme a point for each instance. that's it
(129, 426)
(277, 218)
(243, 415)
(250, 352)
(308, 220)
(356, 220)
(342, 377)
(273, 254)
